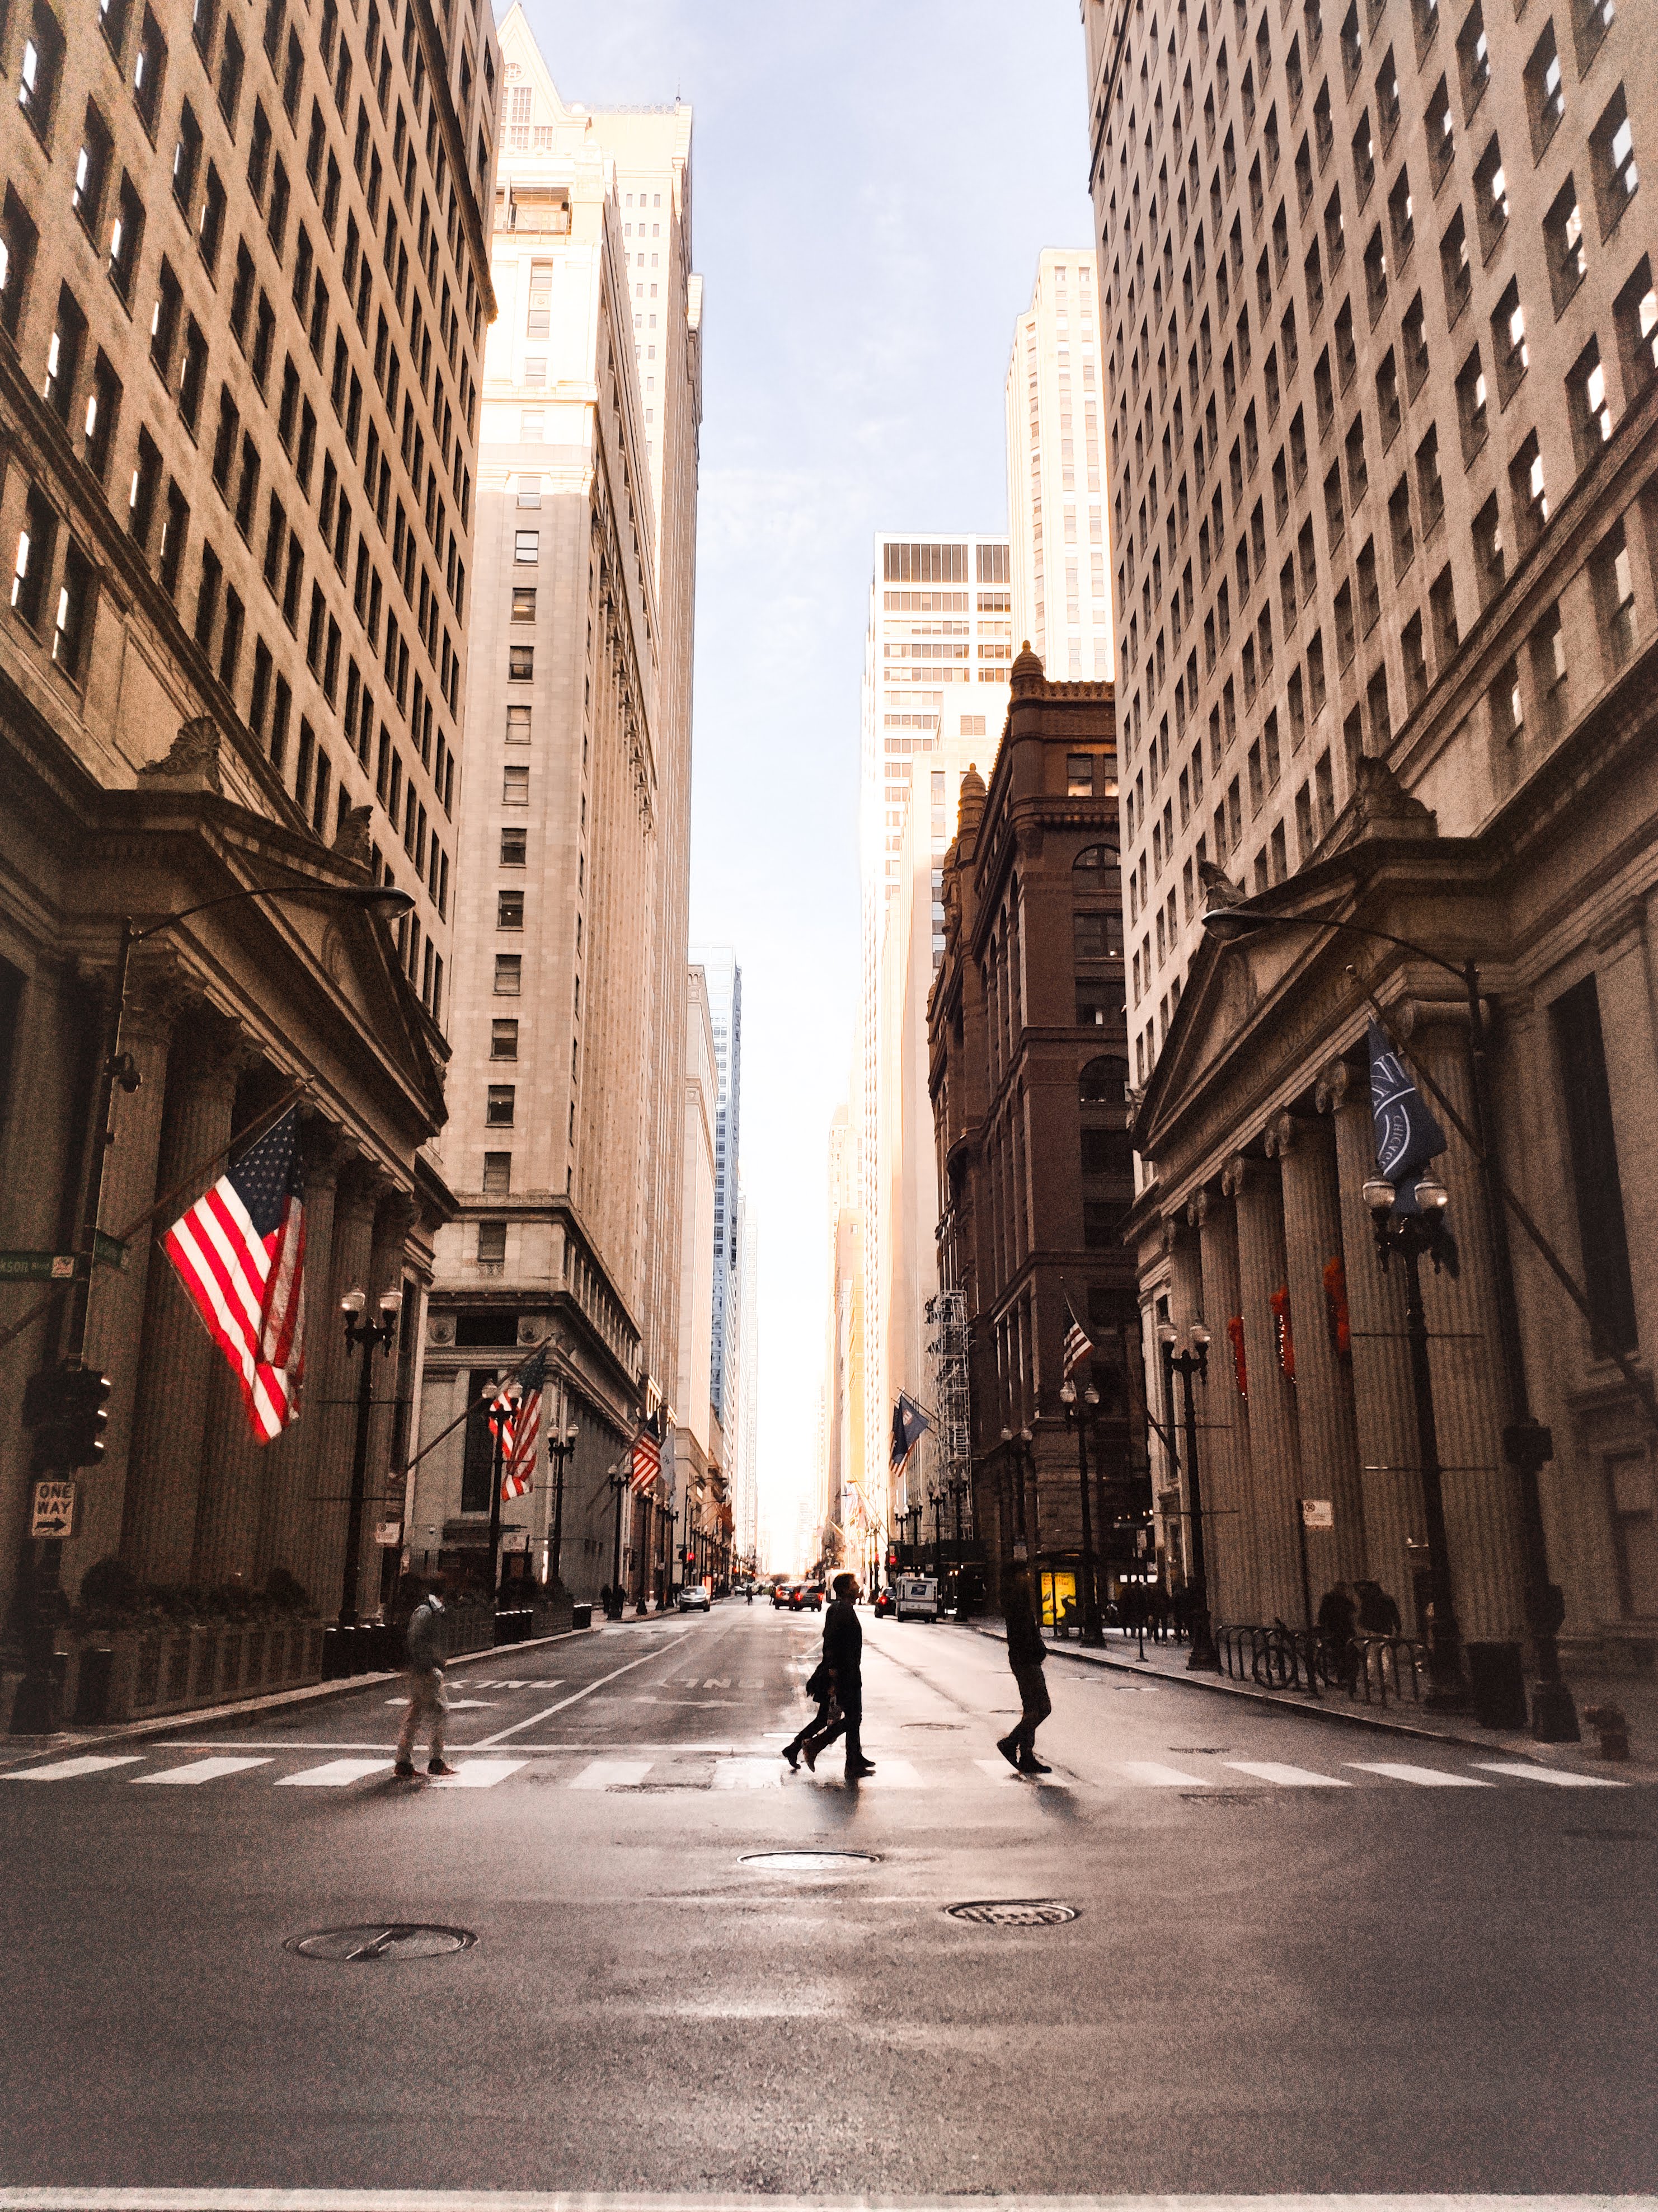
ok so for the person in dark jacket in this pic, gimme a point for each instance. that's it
(819, 1730)
(1336, 1612)
(843, 1656)
(1025, 1657)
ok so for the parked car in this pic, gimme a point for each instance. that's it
(806, 1597)
(693, 1597)
(780, 1597)
(885, 1603)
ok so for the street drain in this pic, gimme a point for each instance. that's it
(1014, 1913)
(809, 1862)
(380, 1940)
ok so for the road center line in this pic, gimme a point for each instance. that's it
(502, 1734)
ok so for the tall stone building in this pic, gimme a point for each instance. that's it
(244, 285)
(698, 1443)
(723, 981)
(1027, 1075)
(1380, 326)
(1056, 472)
(566, 1143)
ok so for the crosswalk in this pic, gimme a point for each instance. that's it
(749, 1772)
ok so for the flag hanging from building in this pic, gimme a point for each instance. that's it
(647, 1456)
(909, 1425)
(520, 1440)
(1078, 1345)
(240, 1253)
(1406, 1134)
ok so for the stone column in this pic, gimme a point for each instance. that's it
(1275, 1446)
(1464, 1352)
(1389, 1472)
(336, 1401)
(1626, 984)
(286, 1505)
(1324, 1393)
(393, 1223)
(1223, 1422)
(115, 1311)
(179, 1357)
(1185, 1306)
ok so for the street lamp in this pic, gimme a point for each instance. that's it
(1203, 1657)
(1413, 1235)
(1527, 1445)
(559, 1449)
(1092, 1630)
(364, 1336)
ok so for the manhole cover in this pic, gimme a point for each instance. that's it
(1014, 1913)
(1218, 1796)
(957, 1726)
(809, 1862)
(1200, 1750)
(378, 1940)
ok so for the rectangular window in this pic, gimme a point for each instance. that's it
(63, 351)
(18, 240)
(91, 171)
(526, 545)
(103, 412)
(498, 1110)
(35, 544)
(498, 1166)
(141, 498)
(515, 786)
(42, 69)
(509, 909)
(520, 664)
(149, 73)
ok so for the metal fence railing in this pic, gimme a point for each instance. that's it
(1376, 1669)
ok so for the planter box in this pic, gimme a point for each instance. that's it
(129, 1674)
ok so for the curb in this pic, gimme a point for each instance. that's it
(310, 1693)
(1276, 1701)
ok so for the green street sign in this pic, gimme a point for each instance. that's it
(40, 1268)
(109, 1251)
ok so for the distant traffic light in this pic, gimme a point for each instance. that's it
(65, 1407)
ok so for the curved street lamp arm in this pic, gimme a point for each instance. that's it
(1256, 920)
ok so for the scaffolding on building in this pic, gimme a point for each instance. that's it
(946, 1351)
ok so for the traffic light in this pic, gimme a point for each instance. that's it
(65, 1407)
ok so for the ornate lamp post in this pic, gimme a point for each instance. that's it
(1093, 1630)
(560, 1445)
(1203, 1657)
(1413, 1236)
(364, 1336)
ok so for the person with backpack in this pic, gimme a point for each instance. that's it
(428, 1697)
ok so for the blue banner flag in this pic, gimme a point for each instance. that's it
(909, 1425)
(1406, 1134)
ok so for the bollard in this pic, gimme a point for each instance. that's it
(1610, 1725)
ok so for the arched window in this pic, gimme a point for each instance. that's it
(1095, 857)
(1104, 1081)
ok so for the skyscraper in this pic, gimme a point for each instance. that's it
(937, 658)
(746, 1484)
(1055, 457)
(565, 1143)
(244, 284)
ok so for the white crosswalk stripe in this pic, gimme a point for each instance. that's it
(478, 1774)
(1554, 1774)
(199, 1770)
(1287, 1777)
(747, 1774)
(612, 1774)
(333, 1774)
(65, 1770)
(997, 1770)
(1156, 1777)
(1425, 1777)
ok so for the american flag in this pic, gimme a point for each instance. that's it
(239, 1252)
(520, 1437)
(1078, 1343)
(647, 1456)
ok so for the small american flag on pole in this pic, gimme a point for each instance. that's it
(520, 1438)
(239, 1252)
(1077, 1342)
(647, 1456)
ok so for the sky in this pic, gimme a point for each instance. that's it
(872, 184)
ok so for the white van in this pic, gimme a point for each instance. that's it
(918, 1597)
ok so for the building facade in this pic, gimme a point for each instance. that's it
(244, 285)
(698, 1445)
(1056, 472)
(1027, 1076)
(723, 980)
(566, 1142)
(936, 660)
(1380, 325)
(746, 1479)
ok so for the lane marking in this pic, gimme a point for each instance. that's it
(66, 1769)
(199, 1770)
(747, 1774)
(1157, 1776)
(477, 1774)
(466, 1705)
(1425, 1777)
(999, 1770)
(1561, 1781)
(1287, 1777)
(336, 1774)
(500, 1735)
(612, 1774)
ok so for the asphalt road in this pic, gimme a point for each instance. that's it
(1291, 1969)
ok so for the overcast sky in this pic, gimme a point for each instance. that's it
(872, 184)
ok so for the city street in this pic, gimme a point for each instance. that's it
(1305, 1957)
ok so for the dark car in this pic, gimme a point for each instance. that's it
(780, 1597)
(885, 1604)
(808, 1598)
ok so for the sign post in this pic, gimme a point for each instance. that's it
(1315, 1513)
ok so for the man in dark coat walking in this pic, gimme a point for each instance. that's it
(843, 1656)
(1024, 1655)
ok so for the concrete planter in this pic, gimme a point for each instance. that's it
(130, 1673)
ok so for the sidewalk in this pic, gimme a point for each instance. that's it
(1637, 1698)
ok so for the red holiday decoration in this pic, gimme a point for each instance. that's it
(1335, 1301)
(1240, 1366)
(1283, 1333)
